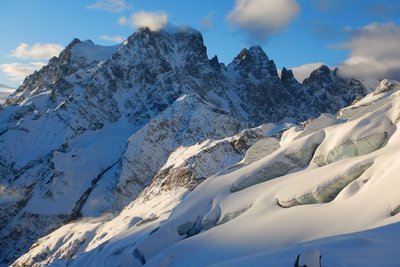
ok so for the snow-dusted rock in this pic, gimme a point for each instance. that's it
(113, 132)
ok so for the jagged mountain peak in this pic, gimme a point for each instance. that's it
(289, 81)
(99, 122)
(323, 73)
(77, 48)
(79, 58)
(73, 42)
(144, 35)
(180, 46)
(386, 86)
(256, 54)
(215, 61)
(255, 61)
(286, 74)
(252, 55)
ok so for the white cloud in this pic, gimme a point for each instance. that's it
(17, 72)
(374, 52)
(113, 6)
(262, 18)
(155, 21)
(113, 39)
(303, 71)
(36, 51)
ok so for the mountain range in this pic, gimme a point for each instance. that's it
(150, 153)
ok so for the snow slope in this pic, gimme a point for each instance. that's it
(101, 129)
(331, 186)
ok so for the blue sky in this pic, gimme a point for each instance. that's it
(292, 32)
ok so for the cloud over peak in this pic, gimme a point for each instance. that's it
(262, 18)
(155, 21)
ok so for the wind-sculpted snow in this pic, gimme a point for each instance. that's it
(380, 98)
(358, 147)
(261, 149)
(371, 248)
(166, 182)
(115, 148)
(282, 162)
(328, 190)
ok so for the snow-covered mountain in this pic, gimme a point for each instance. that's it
(146, 151)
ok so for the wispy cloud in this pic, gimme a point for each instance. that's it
(155, 21)
(113, 6)
(262, 18)
(112, 39)
(374, 52)
(36, 51)
(16, 72)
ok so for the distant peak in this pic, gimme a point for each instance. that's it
(286, 74)
(324, 69)
(169, 30)
(143, 30)
(88, 41)
(179, 33)
(253, 55)
(257, 50)
(288, 79)
(180, 30)
(385, 86)
(74, 42)
(214, 61)
(322, 72)
(243, 54)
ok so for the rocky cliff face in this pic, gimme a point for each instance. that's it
(86, 134)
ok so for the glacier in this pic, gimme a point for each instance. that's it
(150, 153)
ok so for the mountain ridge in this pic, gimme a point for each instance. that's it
(89, 132)
(180, 219)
